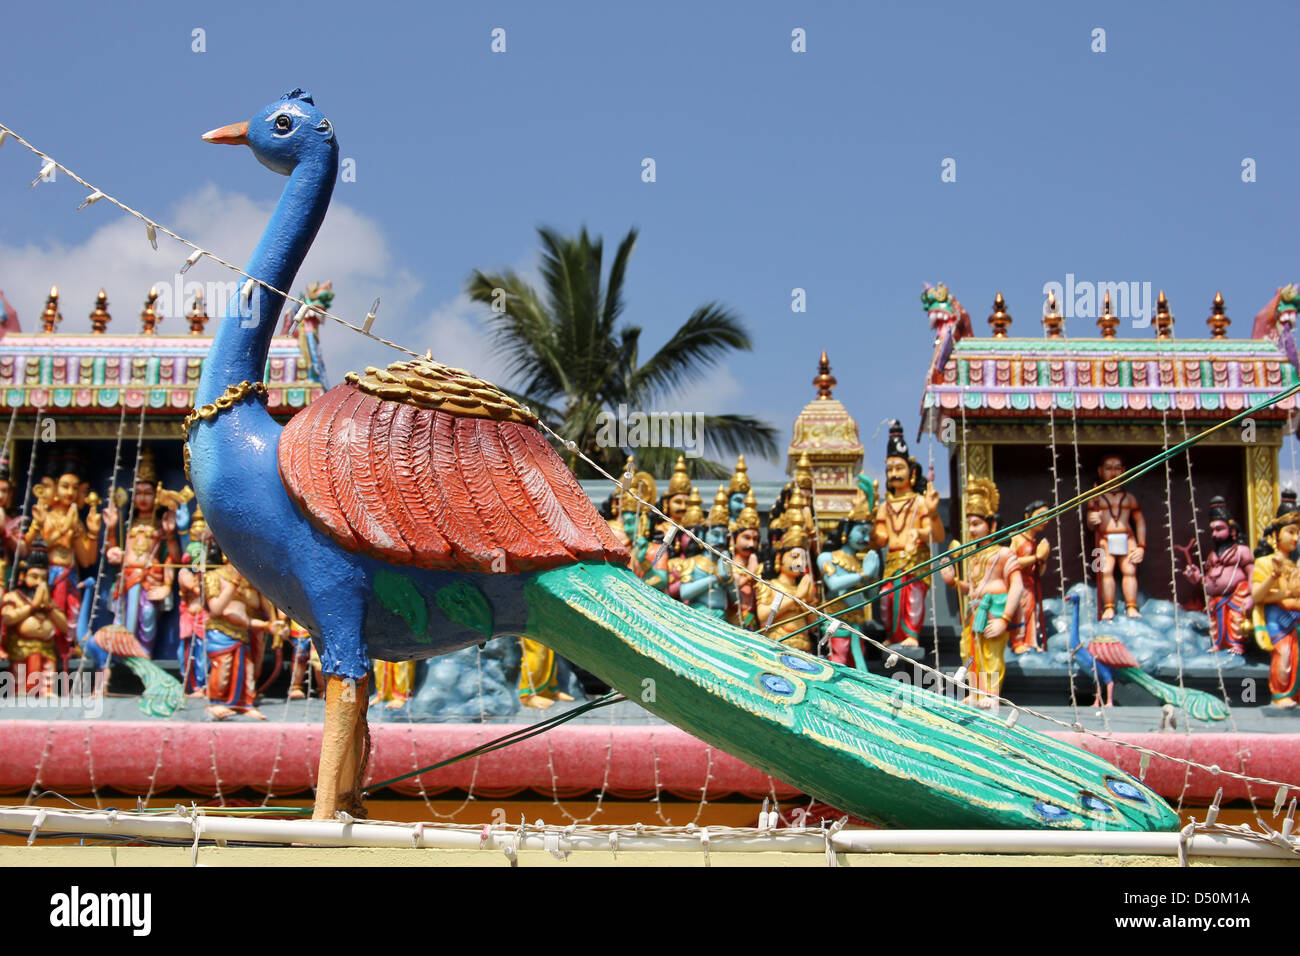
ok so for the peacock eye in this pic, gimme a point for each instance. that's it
(283, 123)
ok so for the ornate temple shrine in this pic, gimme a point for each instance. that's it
(828, 435)
(1020, 410)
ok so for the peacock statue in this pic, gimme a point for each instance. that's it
(416, 510)
(162, 694)
(1106, 657)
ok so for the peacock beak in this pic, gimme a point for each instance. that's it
(235, 134)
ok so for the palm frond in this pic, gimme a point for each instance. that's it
(699, 344)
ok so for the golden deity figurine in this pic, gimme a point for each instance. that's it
(906, 524)
(744, 553)
(993, 585)
(1275, 590)
(394, 683)
(539, 676)
(70, 544)
(147, 551)
(779, 617)
(238, 620)
(635, 513)
(33, 623)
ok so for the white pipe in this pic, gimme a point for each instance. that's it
(1055, 842)
(721, 839)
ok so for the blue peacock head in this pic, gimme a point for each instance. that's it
(284, 134)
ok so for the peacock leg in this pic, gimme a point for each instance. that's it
(345, 703)
(352, 773)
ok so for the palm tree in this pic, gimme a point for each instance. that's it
(574, 360)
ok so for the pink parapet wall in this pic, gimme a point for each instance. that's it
(204, 758)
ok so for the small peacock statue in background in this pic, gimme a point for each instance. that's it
(415, 510)
(1107, 657)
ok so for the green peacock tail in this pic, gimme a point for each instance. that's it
(1197, 703)
(162, 695)
(887, 752)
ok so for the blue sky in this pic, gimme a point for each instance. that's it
(776, 170)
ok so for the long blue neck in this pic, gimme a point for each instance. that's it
(243, 340)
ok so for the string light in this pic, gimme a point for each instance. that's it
(44, 174)
(90, 200)
(370, 317)
(192, 258)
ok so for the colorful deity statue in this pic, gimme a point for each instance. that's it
(10, 524)
(674, 501)
(803, 482)
(33, 624)
(949, 322)
(318, 298)
(1120, 530)
(660, 546)
(394, 683)
(745, 540)
(992, 584)
(147, 552)
(238, 619)
(907, 522)
(695, 576)
(193, 608)
(69, 542)
(1276, 321)
(847, 563)
(780, 618)
(539, 676)
(737, 489)
(1032, 551)
(1229, 566)
(1275, 588)
(612, 513)
(635, 515)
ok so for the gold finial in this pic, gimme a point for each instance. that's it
(1052, 319)
(1164, 318)
(198, 524)
(803, 476)
(149, 318)
(740, 477)
(824, 381)
(694, 510)
(1000, 320)
(680, 482)
(198, 315)
(1218, 320)
(100, 318)
(1107, 322)
(51, 316)
(719, 514)
(748, 517)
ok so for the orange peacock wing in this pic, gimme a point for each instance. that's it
(426, 465)
(1111, 651)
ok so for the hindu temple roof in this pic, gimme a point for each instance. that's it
(825, 427)
(98, 372)
(94, 372)
(1109, 377)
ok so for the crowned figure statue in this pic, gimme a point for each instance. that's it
(847, 564)
(781, 612)
(907, 522)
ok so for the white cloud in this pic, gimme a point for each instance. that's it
(351, 250)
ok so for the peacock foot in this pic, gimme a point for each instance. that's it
(345, 749)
